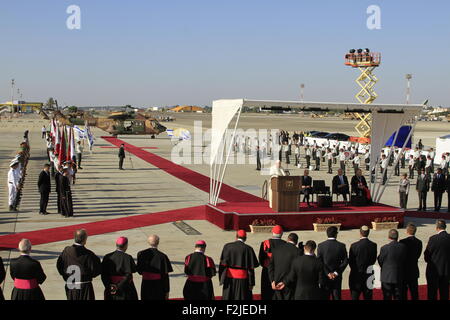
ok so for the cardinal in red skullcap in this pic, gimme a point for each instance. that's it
(237, 269)
(265, 254)
(199, 269)
(117, 273)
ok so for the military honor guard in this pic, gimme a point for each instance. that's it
(13, 184)
(199, 269)
(117, 273)
(154, 266)
(237, 269)
(78, 266)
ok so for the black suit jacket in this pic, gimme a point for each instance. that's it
(423, 185)
(281, 262)
(27, 268)
(337, 181)
(355, 182)
(392, 260)
(333, 255)
(437, 255)
(121, 152)
(306, 181)
(44, 182)
(362, 254)
(413, 252)
(438, 184)
(307, 277)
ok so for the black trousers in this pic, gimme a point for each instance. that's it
(44, 201)
(437, 284)
(411, 172)
(437, 200)
(397, 170)
(121, 162)
(333, 289)
(423, 200)
(79, 156)
(391, 291)
(330, 166)
(358, 286)
(308, 162)
(58, 198)
(403, 200)
(384, 176)
(317, 163)
(306, 193)
(342, 165)
(412, 286)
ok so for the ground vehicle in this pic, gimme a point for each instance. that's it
(319, 134)
(337, 136)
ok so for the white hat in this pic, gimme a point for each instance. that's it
(13, 163)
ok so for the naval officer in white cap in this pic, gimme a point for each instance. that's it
(13, 184)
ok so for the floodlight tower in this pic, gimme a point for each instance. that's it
(366, 62)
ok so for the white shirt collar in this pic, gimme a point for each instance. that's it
(77, 244)
(331, 238)
(308, 254)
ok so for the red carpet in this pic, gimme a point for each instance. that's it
(100, 227)
(195, 179)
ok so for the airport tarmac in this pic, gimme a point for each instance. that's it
(102, 192)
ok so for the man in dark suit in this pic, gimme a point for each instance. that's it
(44, 186)
(121, 156)
(306, 275)
(362, 257)
(438, 187)
(413, 252)
(306, 183)
(422, 187)
(280, 265)
(340, 185)
(333, 255)
(392, 262)
(437, 257)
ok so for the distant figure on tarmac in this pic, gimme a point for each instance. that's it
(44, 132)
(121, 156)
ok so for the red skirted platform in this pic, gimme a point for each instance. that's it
(239, 215)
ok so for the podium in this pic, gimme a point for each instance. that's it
(285, 193)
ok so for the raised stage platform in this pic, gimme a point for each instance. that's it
(239, 215)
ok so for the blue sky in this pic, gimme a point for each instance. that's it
(149, 53)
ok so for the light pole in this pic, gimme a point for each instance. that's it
(302, 89)
(408, 87)
(12, 95)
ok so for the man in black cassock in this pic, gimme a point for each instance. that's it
(265, 254)
(2, 278)
(58, 181)
(27, 274)
(362, 257)
(199, 270)
(78, 266)
(237, 269)
(66, 195)
(44, 186)
(154, 266)
(306, 275)
(280, 265)
(117, 273)
(121, 156)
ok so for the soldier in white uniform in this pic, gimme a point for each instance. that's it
(384, 166)
(275, 171)
(13, 184)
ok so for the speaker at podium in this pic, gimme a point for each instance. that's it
(285, 193)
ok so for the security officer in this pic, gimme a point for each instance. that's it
(13, 184)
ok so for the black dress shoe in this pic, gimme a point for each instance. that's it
(47, 212)
(40, 213)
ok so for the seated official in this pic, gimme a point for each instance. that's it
(340, 184)
(359, 186)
